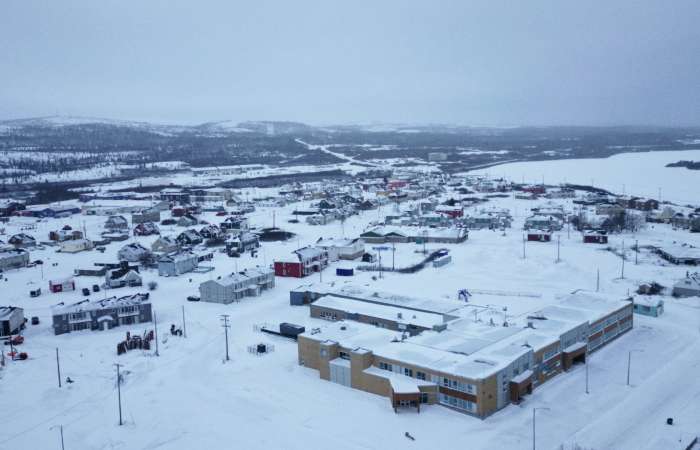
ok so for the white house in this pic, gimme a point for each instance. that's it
(76, 245)
(342, 248)
(133, 252)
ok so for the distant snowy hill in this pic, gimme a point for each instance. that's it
(57, 122)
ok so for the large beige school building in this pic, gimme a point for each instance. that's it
(472, 366)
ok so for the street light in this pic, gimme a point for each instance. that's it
(629, 362)
(534, 410)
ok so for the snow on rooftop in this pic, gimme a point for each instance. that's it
(400, 384)
(401, 315)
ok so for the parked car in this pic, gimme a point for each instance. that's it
(168, 222)
(95, 288)
(86, 292)
(192, 298)
(221, 213)
(35, 292)
(35, 320)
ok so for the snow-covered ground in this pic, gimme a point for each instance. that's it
(189, 398)
(641, 174)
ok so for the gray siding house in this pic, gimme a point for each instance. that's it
(165, 244)
(174, 264)
(248, 283)
(147, 215)
(102, 314)
(13, 258)
(11, 320)
(688, 286)
(122, 277)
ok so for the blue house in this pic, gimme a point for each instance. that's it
(649, 306)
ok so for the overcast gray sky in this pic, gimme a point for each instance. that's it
(466, 62)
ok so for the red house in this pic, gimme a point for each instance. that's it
(309, 260)
(66, 284)
(595, 237)
(397, 184)
(539, 236)
(538, 189)
(450, 211)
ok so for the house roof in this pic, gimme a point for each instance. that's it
(7, 311)
(242, 276)
(386, 312)
(96, 305)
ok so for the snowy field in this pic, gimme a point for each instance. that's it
(641, 174)
(188, 398)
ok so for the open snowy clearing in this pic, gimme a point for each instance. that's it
(641, 174)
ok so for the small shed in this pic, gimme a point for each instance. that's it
(344, 272)
(649, 306)
(62, 285)
(11, 320)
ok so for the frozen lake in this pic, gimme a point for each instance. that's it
(641, 174)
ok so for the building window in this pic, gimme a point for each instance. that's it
(420, 375)
(80, 326)
(343, 355)
(408, 372)
(424, 397)
(385, 366)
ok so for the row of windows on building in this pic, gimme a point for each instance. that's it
(613, 318)
(328, 315)
(403, 370)
(123, 310)
(447, 382)
(602, 339)
(458, 403)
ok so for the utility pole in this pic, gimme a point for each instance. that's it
(273, 219)
(534, 429)
(636, 252)
(523, 246)
(155, 325)
(558, 245)
(622, 270)
(60, 427)
(587, 356)
(393, 256)
(58, 369)
(119, 393)
(597, 280)
(184, 325)
(225, 324)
